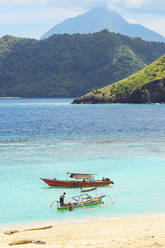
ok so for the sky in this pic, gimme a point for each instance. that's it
(32, 18)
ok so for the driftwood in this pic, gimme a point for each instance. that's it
(27, 241)
(10, 232)
(21, 242)
(38, 228)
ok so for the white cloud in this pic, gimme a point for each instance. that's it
(156, 25)
(154, 5)
(16, 2)
(71, 4)
(32, 23)
(143, 5)
(153, 22)
(48, 13)
(135, 4)
(61, 3)
(149, 13)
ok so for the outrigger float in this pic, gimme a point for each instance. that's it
(78, 180)
(82, 200)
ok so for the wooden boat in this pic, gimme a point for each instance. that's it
(79, 180)
(82, 201)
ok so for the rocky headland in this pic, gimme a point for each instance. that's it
(145, 86)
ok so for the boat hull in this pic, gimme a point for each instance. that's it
(100, 202)
(70, 183)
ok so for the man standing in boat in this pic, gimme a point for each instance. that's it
(62, 196)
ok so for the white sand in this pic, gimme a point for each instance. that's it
(134, 232)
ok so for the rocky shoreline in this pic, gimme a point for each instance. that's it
(152, 92)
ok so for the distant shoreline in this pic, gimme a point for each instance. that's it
(10, 97)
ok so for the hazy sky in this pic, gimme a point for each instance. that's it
(32, 18)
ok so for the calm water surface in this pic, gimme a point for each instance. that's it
(48, 137)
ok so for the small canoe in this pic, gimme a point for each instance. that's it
(90, 204)
(80, 201)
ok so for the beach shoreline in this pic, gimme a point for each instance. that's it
(145, 230)
(35, 223)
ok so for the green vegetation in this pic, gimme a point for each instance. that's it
(71, 65)
(147, 85)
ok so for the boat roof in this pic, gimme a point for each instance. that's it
(81, 175)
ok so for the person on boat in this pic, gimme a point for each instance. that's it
(62, 196)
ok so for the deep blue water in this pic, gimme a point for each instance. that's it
(48, 137)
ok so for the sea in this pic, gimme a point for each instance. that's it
(50, 137)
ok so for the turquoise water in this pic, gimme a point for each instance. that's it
(48, 137)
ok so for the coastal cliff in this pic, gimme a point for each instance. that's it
(145, 86)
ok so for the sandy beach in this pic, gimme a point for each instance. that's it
(133, 231)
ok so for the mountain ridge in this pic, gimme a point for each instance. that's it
(102, 18)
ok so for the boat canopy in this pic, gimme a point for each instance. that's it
(81, 176)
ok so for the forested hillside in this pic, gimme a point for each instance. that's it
(70, 65)
(145, 86)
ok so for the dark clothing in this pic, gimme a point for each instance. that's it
(62, 200)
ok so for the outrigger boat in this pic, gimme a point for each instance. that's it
(82, 200)
(78, 180)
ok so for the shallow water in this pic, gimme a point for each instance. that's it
(48, 137)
